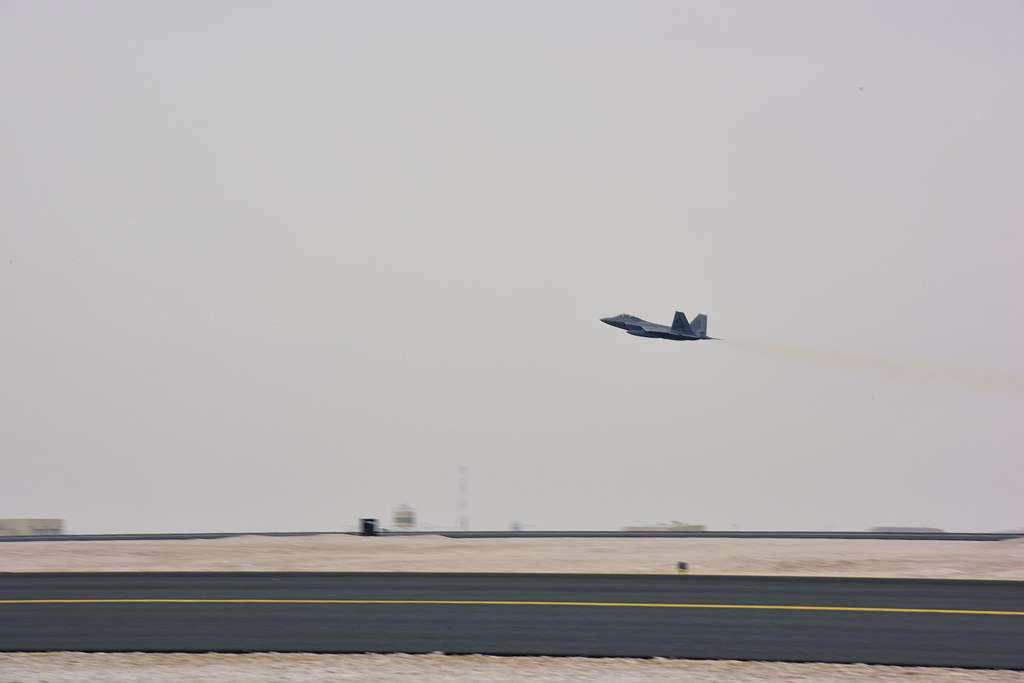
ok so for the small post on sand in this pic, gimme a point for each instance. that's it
(682, 567)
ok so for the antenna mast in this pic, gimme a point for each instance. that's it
(462, 502)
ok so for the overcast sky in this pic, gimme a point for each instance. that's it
(282, 265)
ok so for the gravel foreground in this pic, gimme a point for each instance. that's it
(73, 667)
(799, 557)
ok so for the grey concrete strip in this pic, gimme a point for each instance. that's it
(848, 535)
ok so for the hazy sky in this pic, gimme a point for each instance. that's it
(281, 265)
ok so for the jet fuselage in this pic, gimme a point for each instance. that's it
(638, 327)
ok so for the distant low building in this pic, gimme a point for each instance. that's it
(668, 526)
(31, 527)
(404, 517)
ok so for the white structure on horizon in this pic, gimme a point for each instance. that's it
(404, 517)
(668, 526)
(31, 527)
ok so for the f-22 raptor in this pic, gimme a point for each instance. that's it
(681, 330)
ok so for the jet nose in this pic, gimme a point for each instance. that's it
(607, 321)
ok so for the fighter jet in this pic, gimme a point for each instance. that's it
(681, 330)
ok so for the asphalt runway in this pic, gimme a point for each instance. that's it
(877, 621)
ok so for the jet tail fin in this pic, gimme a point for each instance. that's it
(700, 325)
(681, 324)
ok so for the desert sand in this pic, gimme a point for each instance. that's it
(138, 668)
(259, 668)
(811, 557)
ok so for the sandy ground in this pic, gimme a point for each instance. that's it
(912, 559)
(67, 667)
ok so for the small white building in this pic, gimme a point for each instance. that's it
(31, 527)
(668, 526)
(404, 517)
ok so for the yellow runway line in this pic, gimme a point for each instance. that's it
(506, 603)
